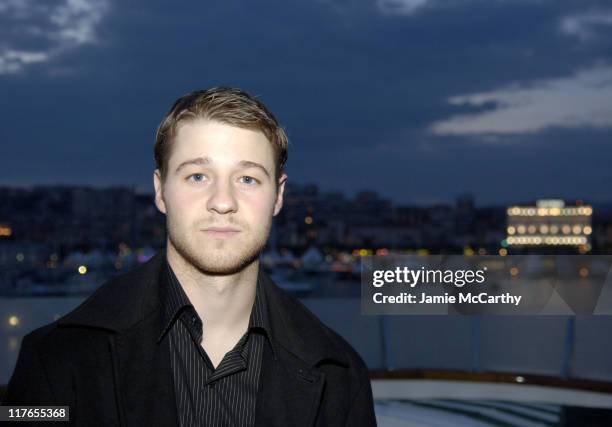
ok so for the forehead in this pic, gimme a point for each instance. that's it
(220, 142)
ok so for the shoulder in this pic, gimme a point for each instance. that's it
(38, 337)
(348, 388)
(341, 344)
(314, 335)
(116, 304)
(121, 301)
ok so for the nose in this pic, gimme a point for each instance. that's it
(222, 199)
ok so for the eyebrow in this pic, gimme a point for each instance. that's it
(249, 164)
(206, 161)
(196, 161)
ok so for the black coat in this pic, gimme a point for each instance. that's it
(102, 359)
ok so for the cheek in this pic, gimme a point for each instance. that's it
(260, 207)
(179, 204)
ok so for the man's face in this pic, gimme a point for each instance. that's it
(219, 195)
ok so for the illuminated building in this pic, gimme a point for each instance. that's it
(550, 223)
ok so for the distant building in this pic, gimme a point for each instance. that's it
(550, 223)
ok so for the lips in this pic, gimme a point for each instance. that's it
(221, 232)
(222, 229)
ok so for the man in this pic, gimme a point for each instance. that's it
(200, 335)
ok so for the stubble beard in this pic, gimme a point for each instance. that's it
(216, 256)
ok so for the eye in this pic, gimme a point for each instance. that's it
(196, 177)
(249, 180)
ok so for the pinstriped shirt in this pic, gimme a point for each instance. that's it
(206, 396)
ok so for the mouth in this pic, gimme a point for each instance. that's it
(221, 232)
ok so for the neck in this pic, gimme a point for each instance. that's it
(223, 302)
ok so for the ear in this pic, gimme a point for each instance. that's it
(159, 193)
(280, 191)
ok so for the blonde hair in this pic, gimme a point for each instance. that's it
(231, 106)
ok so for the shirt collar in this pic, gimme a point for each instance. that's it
(174, 300)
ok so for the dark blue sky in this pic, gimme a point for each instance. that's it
(420, 100)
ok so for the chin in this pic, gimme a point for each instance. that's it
(210, 265)
(219, 262)
(220, 257)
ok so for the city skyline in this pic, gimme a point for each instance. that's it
(85, 216)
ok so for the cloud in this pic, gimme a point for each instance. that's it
(54, 27)
(410, 7)
(399, 7)
(582, 100)
(12, 61)
(585, 25)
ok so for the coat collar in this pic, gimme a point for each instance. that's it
(122, 303)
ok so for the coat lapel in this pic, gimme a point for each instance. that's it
(290, 391)
(144, 376)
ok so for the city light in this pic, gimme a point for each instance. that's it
(542, 211)
(547, 240)
(13, 320)
(5, 231)
(549, 223)
(82, 269)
